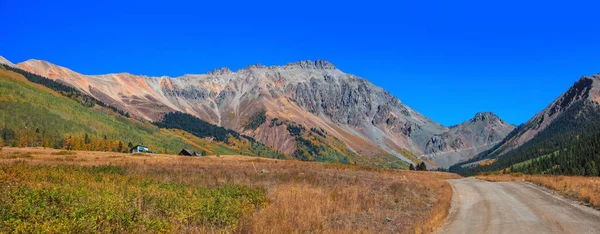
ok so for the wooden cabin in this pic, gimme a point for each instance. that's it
(187, 152)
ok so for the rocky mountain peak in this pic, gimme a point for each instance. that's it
(222, 71)
(37, 64)
(307, 64)
(485, 117)
(315, 94)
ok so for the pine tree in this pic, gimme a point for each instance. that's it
(411, 167)
(422, 167)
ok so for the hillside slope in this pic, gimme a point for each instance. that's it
(314, 95)
(35, 115)
(564, 138)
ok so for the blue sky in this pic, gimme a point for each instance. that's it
(448, 60)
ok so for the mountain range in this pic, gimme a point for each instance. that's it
(293, 108)
(560, 139)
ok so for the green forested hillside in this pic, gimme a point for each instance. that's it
(243, 144)
(34, 115)
(570, 145)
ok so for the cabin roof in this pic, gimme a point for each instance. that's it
(190, 152)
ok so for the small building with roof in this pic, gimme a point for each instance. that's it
(139, 149)
(187, 152)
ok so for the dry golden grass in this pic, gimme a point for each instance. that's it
(304, 197)
(585, 189)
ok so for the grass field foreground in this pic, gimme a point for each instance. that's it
(56, 191)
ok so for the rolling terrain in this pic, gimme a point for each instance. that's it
(363, 118)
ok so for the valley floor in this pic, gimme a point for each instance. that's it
(56, 191)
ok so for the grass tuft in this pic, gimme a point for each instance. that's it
(64, 152)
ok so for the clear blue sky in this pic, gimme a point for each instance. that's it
(447, 60)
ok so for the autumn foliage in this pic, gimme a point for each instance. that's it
(156, 193)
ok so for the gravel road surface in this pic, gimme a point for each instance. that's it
(515, 207)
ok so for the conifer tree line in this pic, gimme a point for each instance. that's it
(66, 90)
(202, 129)
(196, 126)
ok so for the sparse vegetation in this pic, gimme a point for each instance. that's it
(113, 192)
(316, 145)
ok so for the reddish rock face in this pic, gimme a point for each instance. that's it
(366, 118)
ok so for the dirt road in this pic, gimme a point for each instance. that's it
(515, 207)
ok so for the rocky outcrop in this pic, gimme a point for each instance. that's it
(307, 64)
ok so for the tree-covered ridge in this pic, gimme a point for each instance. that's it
(200, 128)
(195, 126)
(65, 90)
(579, 92)
(570, 145)
(256, 120)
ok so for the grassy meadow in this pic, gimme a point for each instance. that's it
(44, 190)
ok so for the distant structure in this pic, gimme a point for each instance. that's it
(139, 149)
(187, 152)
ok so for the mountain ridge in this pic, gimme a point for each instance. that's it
(580, 90)
(560, 139)
(312, 94)
(38, 112)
